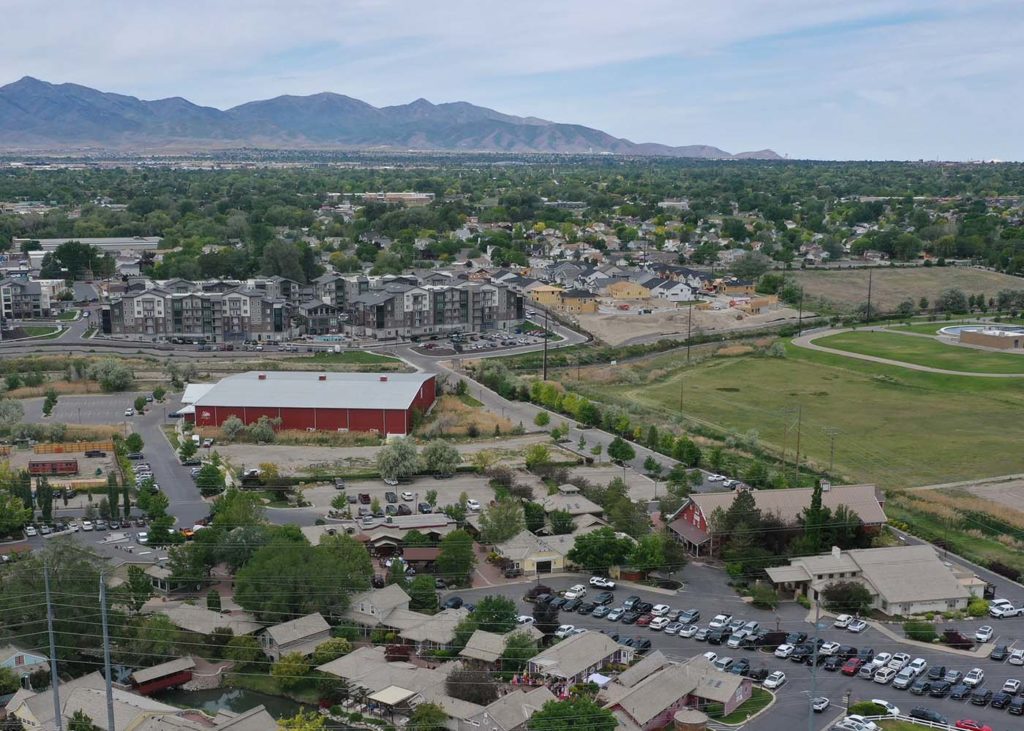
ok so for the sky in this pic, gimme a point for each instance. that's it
(821, 79)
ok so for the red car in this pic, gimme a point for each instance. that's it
(851, 666)
(644, 620)
(969, 725)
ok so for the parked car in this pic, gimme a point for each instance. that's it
(615, 615)
(689, 616)
(820, 704)
(974, 678)
(999, 653)
(1011, 686)
(602, 582)
(857, 626)
(984, 633)
(922, 686)
(1016, 657)
(741, 667)
(605, 597)
(890, 708)
(842, 621)
(575, 591)
(884, 676)
(981, 697)
(852, 666)
(966, 724)
(775, 681)
(1000, 699)
(959, 692)
(672, 628)
(453, 602)
(390, 497)
(939, 689)
(936, 672)
(926, 714)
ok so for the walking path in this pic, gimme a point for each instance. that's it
(807, 341)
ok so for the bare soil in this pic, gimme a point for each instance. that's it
(629, 327)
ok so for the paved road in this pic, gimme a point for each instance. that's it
(807, 341)
(705, 589)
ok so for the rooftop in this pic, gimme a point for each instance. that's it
(298, 629)
(577, 653)
(789, 503)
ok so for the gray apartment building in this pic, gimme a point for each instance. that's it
(23, 300)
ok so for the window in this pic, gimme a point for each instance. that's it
(19, 659)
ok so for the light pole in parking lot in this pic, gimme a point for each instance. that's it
(818, 627)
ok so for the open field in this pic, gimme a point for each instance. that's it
(848, 288)
(897, 427)
(626, 327)
(924, 351)
(930, 328)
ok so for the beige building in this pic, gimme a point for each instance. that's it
(626, 290)
(993, 338)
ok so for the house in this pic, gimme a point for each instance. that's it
(903, 580)
(648, 695)
(625, 290)
(511, 712)
(545, 295)
(203, 621)
(300, 635)
(690, 524)
(673, 291)
(486, 648)
(573, 659)
(321, 318)
(734, 286)
(532, 554)
(578, 302)
(22, 662)
(374, 607)
(434, 632)
(569, 499)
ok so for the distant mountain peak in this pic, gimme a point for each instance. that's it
(38, 115)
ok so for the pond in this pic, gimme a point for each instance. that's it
(236, 700)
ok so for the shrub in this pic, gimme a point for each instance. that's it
(977, 607)
(764, 596)
(866, 708)
(803, 601)
(542, 419)
(920, 631)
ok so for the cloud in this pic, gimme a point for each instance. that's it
(736, 73)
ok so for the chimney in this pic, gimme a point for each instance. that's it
(837, 552)
(383, 379)
(322, 377)
(262, 376)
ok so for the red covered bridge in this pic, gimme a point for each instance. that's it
(382, 402)
(166, 675)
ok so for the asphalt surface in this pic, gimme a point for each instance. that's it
(705, 589)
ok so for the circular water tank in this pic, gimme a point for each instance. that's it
(689, 719)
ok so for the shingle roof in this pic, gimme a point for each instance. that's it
(439, 628)
(305, 389)
(163, 669)
(789, 503)
(204, 621)
(573, 655)
(514, 709)
(298, 629)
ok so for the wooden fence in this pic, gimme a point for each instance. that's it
(70, 447)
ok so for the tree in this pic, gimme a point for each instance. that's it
(44, 498)
(126, 500)
(218, 640)
(545, 618)
(519, 648)
(472, 686)
(952, 300)
(542, 418)
(113, 495)
(849, 597)
(303, 721)
(440, 458)
(133, 442)
(11, 412)
(648, 554)
(599, 549)
(428, 717)
(496, 614)
(112, 375)
(213, 602)
(237, 508)
(244, 651)
(764, 596)
(423, 595)
(331, 649)
(158, 393)
(920, 631)
(232, 427)
(9, 682)
(621, 451)
(13, 514)
(140, 404)
(578, 712)
(155, 638)
(138, 588)
(652, 466)
(291, 670)
(537, 455)
(534, 516)
(456, 559)
(262, 430)
(484, 460)
(73, 260)
(80, 721)
(562, 522)
(397, 459)
(501, 521)
(210, 480)
(187, 449)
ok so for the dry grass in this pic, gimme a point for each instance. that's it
(952, 505)
(63, 388)
(451, 417)
(301, 437)
(92, 432)
(734, 350)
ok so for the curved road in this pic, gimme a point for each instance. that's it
(807, 341)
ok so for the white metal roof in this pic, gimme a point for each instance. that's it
(302, 389)
(195, 391)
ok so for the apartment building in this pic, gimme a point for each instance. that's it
(24, 300)
(403, 310)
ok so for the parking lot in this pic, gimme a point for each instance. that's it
(705, 590)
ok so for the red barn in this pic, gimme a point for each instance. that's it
(382, 402)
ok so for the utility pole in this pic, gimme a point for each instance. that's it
(106, 654)
(680, 395)
(689, 323)
(800, 315)
(546, 331)
(796, 457)
(54, 681)
(831, 432)
(814, 666)
(867, 314)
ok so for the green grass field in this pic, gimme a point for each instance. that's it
(928, 328)
(41, 331)
(759, 698)
(897, 427)
(924, 351)
(68, 315)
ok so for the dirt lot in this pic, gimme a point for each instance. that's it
(640, 486)
(630, 327)
(448, 490)
(87, 466)
(889, 287)
(292, 460)
(1008, 493)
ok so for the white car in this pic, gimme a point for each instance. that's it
(881, 660)
(820, 704)
(864, 723)
(784, 651)
(984, 634)
(884, 676)
(577, 591)
(564, 631)
(899, 661)
(829, 649)
(842, 621)
(602, 582)
(688, 631)
(1011, 686)
(918, 665)
(890, 708)
(86, 525)
(723, 664)
(857, 626)
(974, 678)
(579, 631)
(775, 680)
(129, 412)
(30, 531)
(407, 496)
(1002, 611)
(473, 505)
(143, 537)
(1016, 657)
(525, 619)
(659, 623)
(710, 656)
(719, 621)
(660, 610)
(716, 478)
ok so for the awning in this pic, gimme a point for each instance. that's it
(393, 695)
(689, 531)
(600, 680)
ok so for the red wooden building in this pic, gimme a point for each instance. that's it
(382, 402)
(53, 466)
(166, 675)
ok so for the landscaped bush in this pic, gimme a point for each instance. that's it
(920, 631)
(977, 607)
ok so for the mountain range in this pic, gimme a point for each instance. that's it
(37, 115)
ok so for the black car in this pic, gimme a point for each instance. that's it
(439, 584)
(613, 635)
(393, 510)
(510, 573)
(832, 664)
(999, 653)
(630, 603)
(390, 497)
(922, 686)
(867, 654)
(758, 675)
(644, 607)
(1016, 707)
(426, 508)
(1001, 700)
(605, 597)
(404, 509)
(572, 605)
(630, 617)
(936, 672)
(587, 607)
(846, 652)
(801, 653)
(928, 715)
(981, 697)
(940, 688)
(818, 659)
(641, 645)
(959, 692)
(452, 602)
(740, 667)
(626, 642)
(190, 462)
(135, 455)
(559, 602)
(717, 636)
(796, 638)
